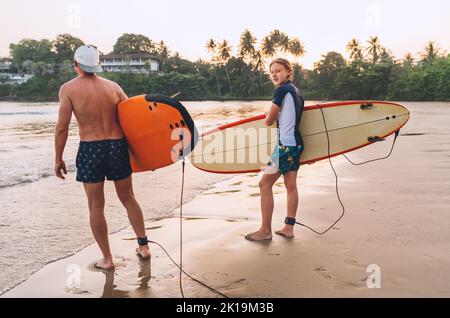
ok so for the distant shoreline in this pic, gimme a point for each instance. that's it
(214, 99)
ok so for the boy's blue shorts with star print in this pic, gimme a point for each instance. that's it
(103, 158)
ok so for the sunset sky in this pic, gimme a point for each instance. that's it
(323, 26)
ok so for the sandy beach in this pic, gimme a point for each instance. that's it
(396, 218)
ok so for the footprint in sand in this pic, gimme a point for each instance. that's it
(154, 227)
(222, 192)
(228, 283)
(354, 263)
(354, 285)
(77, 291)
(236, 284)
(322, 271)
(361, 283)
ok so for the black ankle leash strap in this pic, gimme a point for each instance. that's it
(142, 241)
(289, 221)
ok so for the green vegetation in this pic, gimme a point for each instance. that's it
(371, 72)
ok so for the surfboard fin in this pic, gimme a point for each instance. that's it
(375, 139)
(367, 106)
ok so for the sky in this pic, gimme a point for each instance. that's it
(402, 25)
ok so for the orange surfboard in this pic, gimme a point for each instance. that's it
(159, 131)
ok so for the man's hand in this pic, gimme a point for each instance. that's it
(60, 165)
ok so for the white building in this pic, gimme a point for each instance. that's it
(5, 65)
(6, 75)
(12, 78)
(132, 63)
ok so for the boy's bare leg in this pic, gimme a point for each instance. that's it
(267, 205)
(290, 182)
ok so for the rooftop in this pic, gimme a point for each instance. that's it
(128, 56)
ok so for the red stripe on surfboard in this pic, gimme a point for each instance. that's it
(310, 107)
(306, 162)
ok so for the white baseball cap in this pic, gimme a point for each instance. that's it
(88, 58)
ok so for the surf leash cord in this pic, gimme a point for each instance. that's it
(180, 267)
(336, 175)
(382, 158)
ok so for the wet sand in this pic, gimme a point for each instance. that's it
(396, 217)
(49, 219)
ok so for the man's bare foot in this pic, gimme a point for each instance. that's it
(286, 232)
(143, 251)
(104, 264)
(259, 236)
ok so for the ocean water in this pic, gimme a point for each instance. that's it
(26, 135)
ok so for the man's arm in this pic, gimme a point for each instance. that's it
(62, 131)
(272, 114)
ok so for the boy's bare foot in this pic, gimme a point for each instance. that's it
(259, 236)
(143, 251)
(286, 232)
(104, 264)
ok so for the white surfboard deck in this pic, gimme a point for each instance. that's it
(246, 146)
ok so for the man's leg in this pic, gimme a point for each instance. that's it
(124, 189)
(290, 182)
(267, 205)
(96, 202)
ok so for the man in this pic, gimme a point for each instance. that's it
(103, 150)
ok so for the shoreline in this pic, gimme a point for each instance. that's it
(57, 236)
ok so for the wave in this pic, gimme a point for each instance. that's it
(28, 178)
(22, 113)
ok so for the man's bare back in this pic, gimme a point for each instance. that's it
(103, 149)
(94, 102)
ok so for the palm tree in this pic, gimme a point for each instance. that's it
(246, 48)
(355, 50)
(296, 48)
(224, 54)
(432, 51)
(374, 48)
(386, 55)
(247, 51)
(211, 46)
(164, 53)
(283, 42)
(408, 60)
(268, 47)
(276, 36)
(259, 65)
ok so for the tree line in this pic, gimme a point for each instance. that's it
(371, 72)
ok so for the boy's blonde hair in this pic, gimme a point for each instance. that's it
(285, 63)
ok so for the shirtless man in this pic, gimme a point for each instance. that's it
(103, 150)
